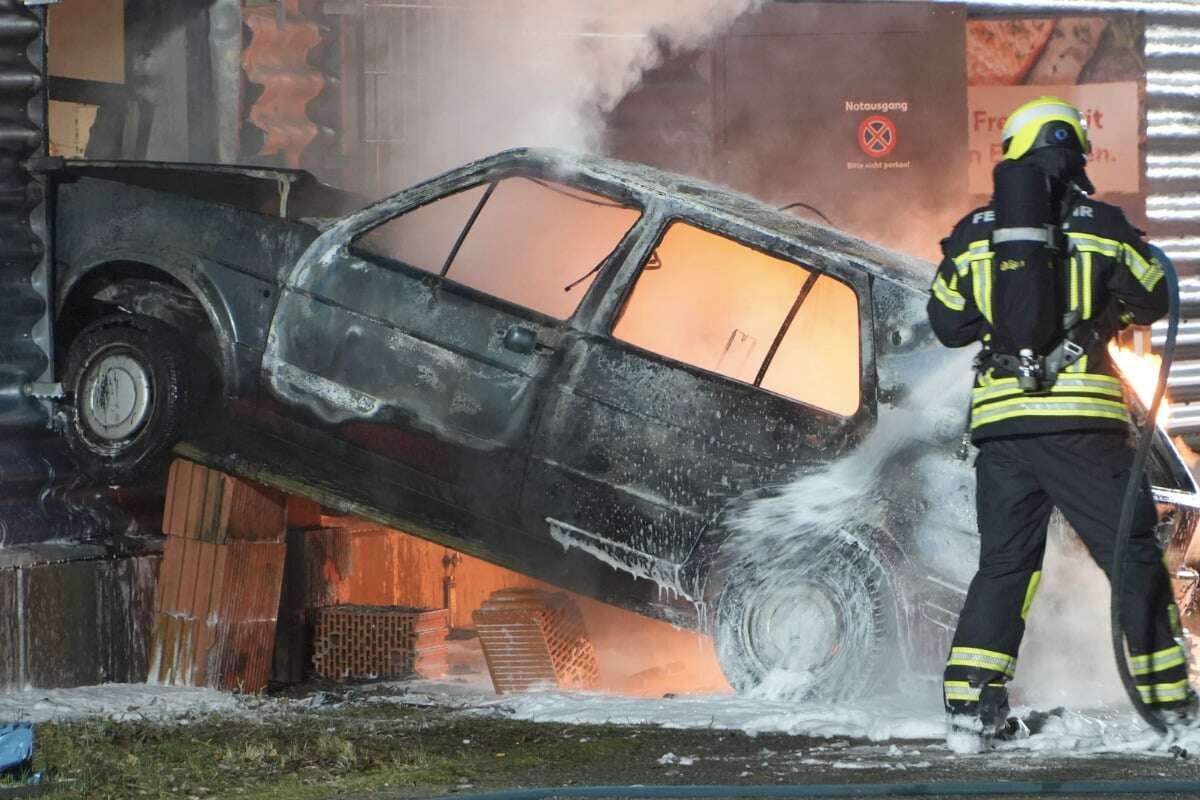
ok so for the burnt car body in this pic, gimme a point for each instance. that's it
(566, 430)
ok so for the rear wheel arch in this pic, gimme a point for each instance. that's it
(705, 552)
(173, 294)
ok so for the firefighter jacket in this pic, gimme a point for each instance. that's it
(1109, 275)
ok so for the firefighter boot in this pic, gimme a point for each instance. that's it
(1183, 725)
(974, 726)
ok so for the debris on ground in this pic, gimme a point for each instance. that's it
(16, 748)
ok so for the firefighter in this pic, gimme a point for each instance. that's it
(1042, 277)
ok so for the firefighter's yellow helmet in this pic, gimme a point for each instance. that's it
(1045, 122)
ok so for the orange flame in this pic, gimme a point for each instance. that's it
(1140, 371)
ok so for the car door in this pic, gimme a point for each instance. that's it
(720, 369)
(422, 341)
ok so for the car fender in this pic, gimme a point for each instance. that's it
(194, 272)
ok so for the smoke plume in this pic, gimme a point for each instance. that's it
(518, 73)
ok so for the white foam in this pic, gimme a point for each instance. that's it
(116, 701)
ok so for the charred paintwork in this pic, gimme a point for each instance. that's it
(219, 235)
(389, 392)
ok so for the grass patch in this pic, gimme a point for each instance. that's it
(313, 754)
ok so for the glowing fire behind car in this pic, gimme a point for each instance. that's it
(1140, 371)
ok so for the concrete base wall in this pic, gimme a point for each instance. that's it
(74, 622)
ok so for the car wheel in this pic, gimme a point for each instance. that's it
(820, 623)
(129, 380)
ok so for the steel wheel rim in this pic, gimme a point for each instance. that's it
(797, 628)
(116, 395)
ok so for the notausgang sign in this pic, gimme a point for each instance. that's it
(1112, 114)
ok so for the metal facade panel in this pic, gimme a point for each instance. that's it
(1172, 53)
(1173, 190)
(26, 345)
(74, 623)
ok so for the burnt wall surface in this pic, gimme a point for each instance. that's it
(25, 333)
(778, 106)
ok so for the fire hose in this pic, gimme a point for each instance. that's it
(1136, 476)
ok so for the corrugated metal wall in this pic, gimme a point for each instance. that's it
(1173, 191)
(25, 332)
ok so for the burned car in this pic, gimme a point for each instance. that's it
(588, 371)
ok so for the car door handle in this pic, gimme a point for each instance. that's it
(520, 339)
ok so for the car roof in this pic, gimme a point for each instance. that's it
(686, 192)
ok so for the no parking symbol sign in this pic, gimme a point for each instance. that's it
(877, 136)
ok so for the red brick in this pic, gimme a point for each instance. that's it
(303, 513)
(189, 570)
(380, 642)
(219, 631)
(210, 578)
(208, 505)
(169, 502)
(252, 513)
(249, 597)
(166, 590)
(171, 659)
(239, 657)
(198, 501)
(531, 637)
(433, 663)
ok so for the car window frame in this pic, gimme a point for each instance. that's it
(439, 280)
(818, 266)
(404, 267)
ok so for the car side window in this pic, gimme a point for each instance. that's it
(424, 236)
(539, 244)
(720, 305)
(818, 359)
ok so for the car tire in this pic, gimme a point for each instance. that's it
(818, 624)
(131, 395)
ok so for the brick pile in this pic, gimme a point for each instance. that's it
(532, 638)
(326, 567)
(360, 563)
(388, 642)
(217, 600)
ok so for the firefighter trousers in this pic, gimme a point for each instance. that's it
(1019, 481)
